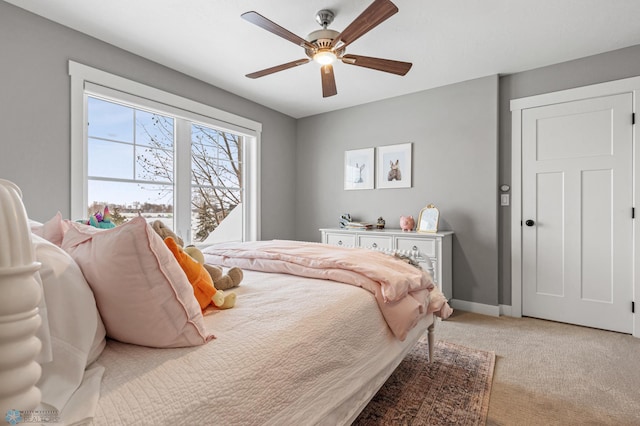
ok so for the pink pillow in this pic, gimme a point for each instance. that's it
(52, 230)
(142, 294)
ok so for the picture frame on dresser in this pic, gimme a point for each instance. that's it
(393, 168)
(359, 169)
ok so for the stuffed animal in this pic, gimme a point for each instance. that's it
(195, 252)
(224, 282)
(164, 232)
(221, 281)
(100, 220)
(202, 283)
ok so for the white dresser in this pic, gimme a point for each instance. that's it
(433, 246)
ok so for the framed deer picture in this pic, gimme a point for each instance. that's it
(394, 166)
(358, 169)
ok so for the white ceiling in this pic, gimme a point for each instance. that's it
(446, 40)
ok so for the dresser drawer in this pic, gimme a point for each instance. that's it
(341, 240)
(375, 242)
(426, 248)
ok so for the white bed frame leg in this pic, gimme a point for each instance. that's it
(430, 338)
(19, 318)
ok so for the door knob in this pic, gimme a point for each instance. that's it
(529, 222)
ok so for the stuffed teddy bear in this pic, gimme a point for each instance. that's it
(164, 232)
(223, 282)
(202, 283)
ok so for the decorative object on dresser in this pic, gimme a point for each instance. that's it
(380, 224)
(359, 225)
(394, 166)
(428, 219)
(407, 223)
(358, 169)
(432, 250)
(344, 220)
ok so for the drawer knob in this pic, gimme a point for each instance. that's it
(340, 242)
(415, 248)
(375, 245)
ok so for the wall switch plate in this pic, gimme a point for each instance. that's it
(504, 199)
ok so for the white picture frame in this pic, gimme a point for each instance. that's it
(394, 166)
(359, 169)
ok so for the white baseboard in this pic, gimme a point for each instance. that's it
(477, 308)
(505, 310)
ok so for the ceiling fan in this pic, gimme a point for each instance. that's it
(325, 46)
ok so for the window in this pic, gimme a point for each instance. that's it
(216, 173)
(146, 152)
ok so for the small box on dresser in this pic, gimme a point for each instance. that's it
(433, 246)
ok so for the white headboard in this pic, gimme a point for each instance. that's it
(21, 293)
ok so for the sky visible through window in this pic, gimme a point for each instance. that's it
(117, 136)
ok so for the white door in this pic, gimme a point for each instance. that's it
(576, 209)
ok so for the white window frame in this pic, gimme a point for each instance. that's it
(87, 80)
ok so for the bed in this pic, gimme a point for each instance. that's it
(299, 347)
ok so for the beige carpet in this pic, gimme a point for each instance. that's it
(550, 373)
(452, 390)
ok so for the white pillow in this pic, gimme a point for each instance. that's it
(76, 329)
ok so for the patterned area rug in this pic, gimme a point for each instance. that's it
(453, 390)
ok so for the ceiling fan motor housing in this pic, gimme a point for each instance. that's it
(322, 39)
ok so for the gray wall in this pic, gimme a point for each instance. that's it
(35, 118)
(454, 130)
(614, 65)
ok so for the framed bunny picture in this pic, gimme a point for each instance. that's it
(394, 166)
(358, 169)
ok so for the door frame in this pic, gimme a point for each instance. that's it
(517, 106)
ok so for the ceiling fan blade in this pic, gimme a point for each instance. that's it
(386, 65)
(375, 14)
(272, 27)
(328, 81)
(277, 68)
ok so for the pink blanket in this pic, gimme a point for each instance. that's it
(404, 293)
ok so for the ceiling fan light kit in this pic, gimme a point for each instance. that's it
(327, 46)
(324, 57)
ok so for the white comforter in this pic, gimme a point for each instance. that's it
(293, 351)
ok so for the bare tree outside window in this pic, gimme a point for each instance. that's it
(216, 170)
